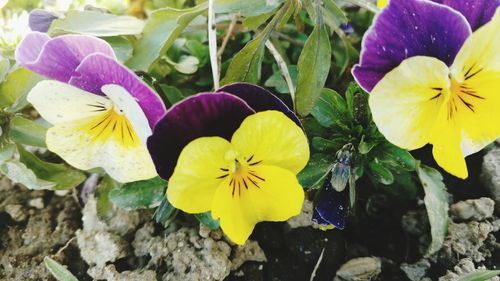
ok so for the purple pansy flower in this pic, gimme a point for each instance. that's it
(235, 153)
(102, 112)
(208, 114)
(433, 72)
(418, 28)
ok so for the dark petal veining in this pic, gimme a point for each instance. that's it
(408, 28)
(203, 115)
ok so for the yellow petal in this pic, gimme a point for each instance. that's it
(476, 83)
(451, 159)
(263, 193)
(382, 3)
(105, 141)
(59, 102)
(407, 101)
(201, 167)
(271, 138)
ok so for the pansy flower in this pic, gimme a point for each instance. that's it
(433, 73)
(102, 114)
(235, 153)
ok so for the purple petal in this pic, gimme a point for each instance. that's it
(40, 20)
(97, 70)
(408, 28)
(206, 114)
(59, 57)
(260, 99)
(331, 207)
(477, 12)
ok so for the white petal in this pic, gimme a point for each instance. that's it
(83, 150)
(59, 102)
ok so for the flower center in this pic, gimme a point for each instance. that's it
(240, 174)
(462, 96)
(112, 123)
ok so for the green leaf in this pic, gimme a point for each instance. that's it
(278, 82)
(198, 50)
(60, 175)
(313, 67)
(104, 207)
(332, 11)
(60, 272)
(316, 171)
(207, 220)
(96, 23)
(172, 94)
(139, 195)
(4, 68)
(352, 90)
(396, 157)
(436, 203)
(246, 64)
(380, 174)
(160, 32)
(365, 147)
(27, 132)
(480, 275)
(246, 8)
(330, 109)
(254, 22)
(165, 213)
(326, 145)
(17, 172)
(186, 64)
(7, 152)
(16, 87)
(121, 46)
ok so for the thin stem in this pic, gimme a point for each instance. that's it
(227, 36)
(283, 69)
(212, 43)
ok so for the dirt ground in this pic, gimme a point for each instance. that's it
(386, 246)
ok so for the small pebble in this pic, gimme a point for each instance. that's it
(36, 203)
(475, 209)
(17, 212)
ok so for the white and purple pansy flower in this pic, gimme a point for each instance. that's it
(101, 112)
(433, 72)
(235, 153)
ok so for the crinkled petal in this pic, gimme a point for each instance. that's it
(59, 102)
(96, 142)
(58, 58)
(477, 73)
(408, 28)
(203, 115)
(97, 70)
(277, 198)
(406, 103)
(260, 99)
(271, 138)
(198, 174)
(477, 12)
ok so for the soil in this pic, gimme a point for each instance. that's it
(388, 245)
